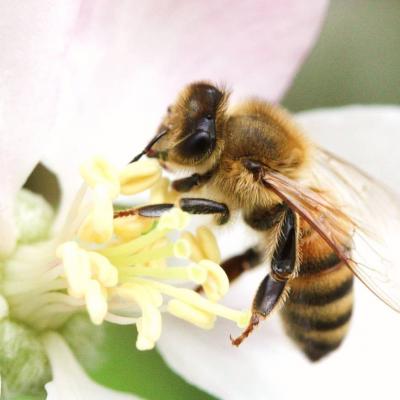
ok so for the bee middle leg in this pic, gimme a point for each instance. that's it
(273, 289)
(236, 265)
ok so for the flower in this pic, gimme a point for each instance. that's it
(118, 275)
(98, 76)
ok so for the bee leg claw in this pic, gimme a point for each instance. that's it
(254, 321)
(269, 296)
(273, 290)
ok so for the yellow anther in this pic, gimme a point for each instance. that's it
(196, 253)
(182, 248)
(161, 192)
(103, 270)
(208, 244)
(139, 176)
(139, 294)
(98, 226)
(243, 319)
(149, 325)
(203, 245)
(149, 329)
(76, 266)
(96, 302)
(128, 228)
(210, 288)
(217, 284)
(192, 314)
(175, 219)
(197, 274)
(98, 171)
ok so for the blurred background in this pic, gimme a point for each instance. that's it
(355, 61)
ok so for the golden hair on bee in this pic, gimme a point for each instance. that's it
(252, 158)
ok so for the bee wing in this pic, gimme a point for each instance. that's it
(350, 210)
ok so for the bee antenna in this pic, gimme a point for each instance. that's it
(149, 146)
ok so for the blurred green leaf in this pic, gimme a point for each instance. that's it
(145, 373)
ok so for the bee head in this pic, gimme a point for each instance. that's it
(189, 133)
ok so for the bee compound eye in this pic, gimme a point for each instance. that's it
(197, 145)
(201, 141)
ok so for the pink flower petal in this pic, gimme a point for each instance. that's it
(33, 36)
(129, 59)
(110, 68)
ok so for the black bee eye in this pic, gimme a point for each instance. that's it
(202, 141)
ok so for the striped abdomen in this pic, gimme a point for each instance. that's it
(318, 310)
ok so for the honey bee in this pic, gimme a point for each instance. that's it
(313, 211)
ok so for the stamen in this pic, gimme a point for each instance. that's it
(96, 302)
(192, 273)
(97, 171)
(208, 244)
(178, 249)
(77, 267)
(196, 254)
(116, 268)
(103, 270)
(204, 245)
(192, 298)
(139, 176)
(131, 227)
(217, 284)
(162, 192)
(135, 245)
(191, 314)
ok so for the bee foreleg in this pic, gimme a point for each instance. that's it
(273, 290)
(187, 184)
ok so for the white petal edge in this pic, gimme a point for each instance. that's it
(268, 365)
(70, 381)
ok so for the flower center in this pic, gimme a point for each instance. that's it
(117, 269)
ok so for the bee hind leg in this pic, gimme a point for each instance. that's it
(270, 295)
(274, 288)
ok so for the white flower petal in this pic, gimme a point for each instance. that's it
(368, 136)
(70, 382)
(33, 38)
(267, 365)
